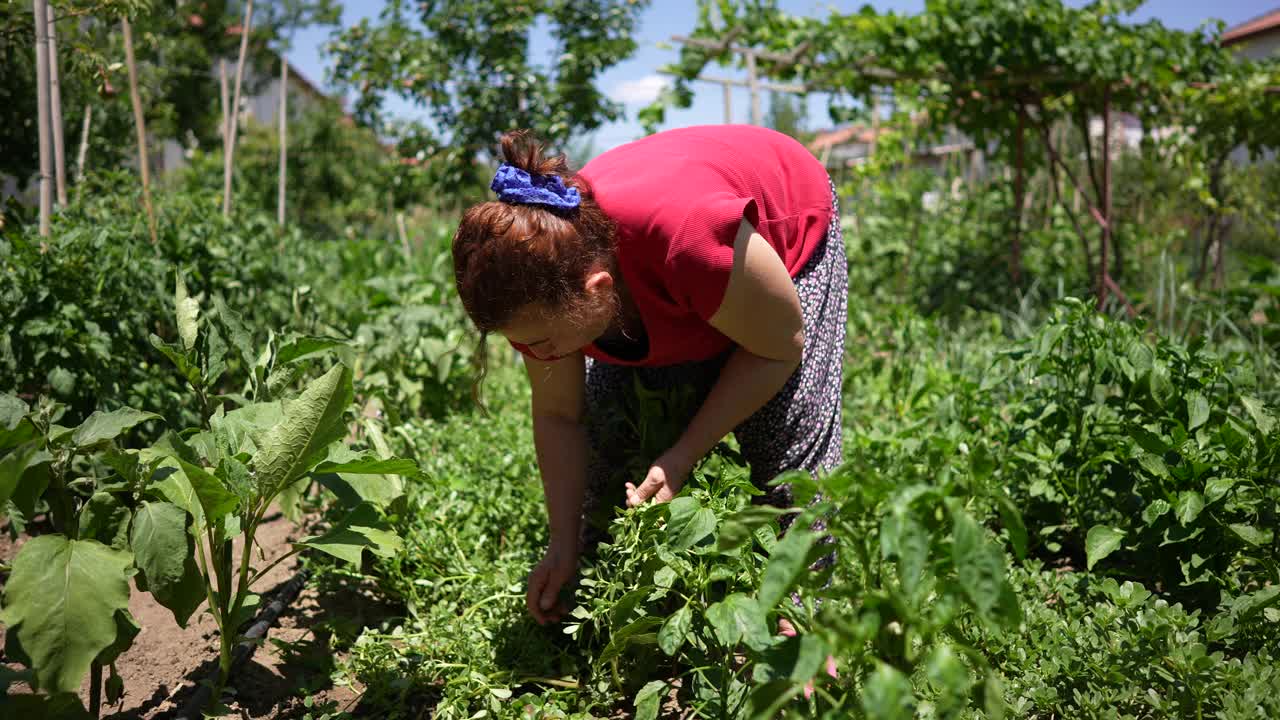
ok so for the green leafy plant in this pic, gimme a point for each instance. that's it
(1151, 457)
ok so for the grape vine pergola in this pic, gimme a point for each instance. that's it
(1016, 76)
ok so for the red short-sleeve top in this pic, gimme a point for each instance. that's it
(678, 198)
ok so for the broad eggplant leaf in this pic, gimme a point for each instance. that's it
(61, 600)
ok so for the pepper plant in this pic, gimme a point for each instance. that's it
(169, 515)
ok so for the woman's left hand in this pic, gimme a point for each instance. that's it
(666, 476)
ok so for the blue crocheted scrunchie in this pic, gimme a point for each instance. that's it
(519, 187)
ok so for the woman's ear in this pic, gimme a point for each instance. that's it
(599, 281)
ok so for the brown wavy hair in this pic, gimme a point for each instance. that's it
(507, 256)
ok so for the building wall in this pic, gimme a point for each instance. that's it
(1260, 47)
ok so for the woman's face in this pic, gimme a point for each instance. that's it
(550, 334)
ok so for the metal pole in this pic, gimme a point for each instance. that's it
(728, 103)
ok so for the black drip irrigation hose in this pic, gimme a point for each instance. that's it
(244, 649)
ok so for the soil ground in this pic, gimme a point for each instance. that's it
(162, 668)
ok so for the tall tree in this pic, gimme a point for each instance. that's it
(471, 65)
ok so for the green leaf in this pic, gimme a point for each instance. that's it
(164, 553)
(887, 694)
(786, 563)
(649, 700)
(738, 529)
(1101, 542)
(638, 632)
(980, 568)
(1154, 465)
(1154, 510)
(1197, 410)
(1011, 517)
(215, 500)
(946, 672)
(215, 355)
(1148, 440)
(299, 441)
(190, 371)
(679, 512)
(1251, 534)
(1188, 506)
(1262, 419)
(127, 628)
(738, 618)
(105, 519)
(188, 313)
(1217, 488)
(101, 427)
(993, 697)
(796, 659)
(369, 465)
(674, 631)
(239, 335)
(62, 597)
(768, 699)
(306, 346)
(15, 465)
(699, 527)
(12, 410)
(361, 529)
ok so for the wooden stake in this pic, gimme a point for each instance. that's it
(404, 236)
(1015, 250)
(84, 142)
(753, 82)
(42, 114)
(55, 111)
(284, 148)
(1104, 276)
(233, 119)
(225, 130)
(140, 125)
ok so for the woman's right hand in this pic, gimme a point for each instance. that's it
(557, 567)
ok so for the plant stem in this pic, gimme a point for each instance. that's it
(259, 575)
(95, 689)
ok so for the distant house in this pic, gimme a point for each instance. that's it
(260, 100)
(1257, 38)
(849, 146)
(262, 105)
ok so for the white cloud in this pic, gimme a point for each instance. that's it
(639, 92)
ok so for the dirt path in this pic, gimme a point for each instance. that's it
(161, 669)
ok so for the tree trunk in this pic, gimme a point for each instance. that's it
(140, 123)
(42, 114)
(233, 119)
(284, 146)
(55, 112)
(84, 142)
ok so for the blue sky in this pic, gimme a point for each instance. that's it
(634, 81)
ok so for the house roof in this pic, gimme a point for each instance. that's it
(1267, 22)
(841, 136)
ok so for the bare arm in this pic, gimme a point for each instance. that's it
(560, 440)
(761, 314)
